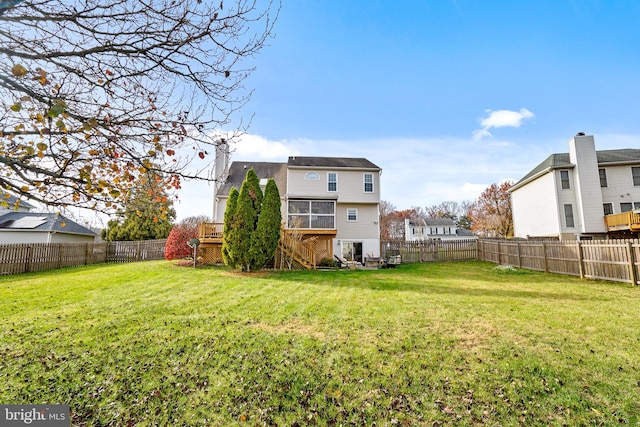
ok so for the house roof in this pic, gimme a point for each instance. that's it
(438, 222)
(331, 162)
(41, 222)
(11, 201)
(264, 170)
(561, 161)
(432, 222)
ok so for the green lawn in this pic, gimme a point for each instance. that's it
(432, 344)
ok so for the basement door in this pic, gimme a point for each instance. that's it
(352, 251)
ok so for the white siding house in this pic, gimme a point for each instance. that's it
(568, 194)
(434, 228)
(10, 203)
(30, 227)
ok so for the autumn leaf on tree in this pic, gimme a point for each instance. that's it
(114, 98)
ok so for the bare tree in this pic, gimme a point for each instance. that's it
(386, 210)
(94, 94)
(491, 214)
(457, 211)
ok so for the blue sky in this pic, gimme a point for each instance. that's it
(446, 96)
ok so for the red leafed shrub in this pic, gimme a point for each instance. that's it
(177, 247)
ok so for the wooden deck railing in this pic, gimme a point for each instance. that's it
(210, 232)
(623, 221)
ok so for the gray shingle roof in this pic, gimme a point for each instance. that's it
(561, 161)
(11, 201)
(238, 172)
(432, 222)
(439, 222)
(331, 162)
(51, 222)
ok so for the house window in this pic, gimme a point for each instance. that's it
(352, 214)
(635, 173)
(564, 180)
(312, 176)
(626, 207)
(603, 177)
(608, 208)
(311, 214)
(332, 181)
(368, 183)
(568, 216)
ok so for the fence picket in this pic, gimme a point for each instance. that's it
(33, 257)
(615, 260)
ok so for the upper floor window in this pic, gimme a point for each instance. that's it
(635, 172)
(312, 176)
(368, 182)
(603, 177)
(608, 208)
(332, 181)
(564, 180)
(352, 214)
(626, 207)
(568, 216)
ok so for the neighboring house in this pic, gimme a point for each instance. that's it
(434, 228)
(30, 227)
(9, 203)
(332, 202)
(582, 194)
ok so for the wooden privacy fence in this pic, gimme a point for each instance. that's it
(140, 250)
(615, 260)
(27, 257)
(430, 250)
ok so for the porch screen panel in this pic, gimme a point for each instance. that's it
(298, 206)
(298, 221)
(311, 214)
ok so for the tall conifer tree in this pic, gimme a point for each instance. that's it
(227, 231)
(264, 240)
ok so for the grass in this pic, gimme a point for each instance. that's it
(420, 345)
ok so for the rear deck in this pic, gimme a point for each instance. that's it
(306, 246)
(625, 221)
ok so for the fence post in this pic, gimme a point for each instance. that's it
(28, 256)
(519, 255)
(632, 264)
(544, 255)
(499, 254)
(138, 251)
(580, 259)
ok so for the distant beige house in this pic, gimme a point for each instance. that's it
(333, 202)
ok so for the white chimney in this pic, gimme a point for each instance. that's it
(220, 172)
(221, 164)
(588, 195)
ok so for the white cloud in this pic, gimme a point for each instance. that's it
(258, 148)
(415, 171)
(499, 119)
